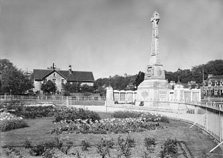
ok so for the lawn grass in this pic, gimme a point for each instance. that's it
(198, 142)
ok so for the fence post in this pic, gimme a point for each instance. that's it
(67, 101)
(206, 113)
(220, 132)
(106, 106)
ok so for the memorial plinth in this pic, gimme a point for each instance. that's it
(154, 88)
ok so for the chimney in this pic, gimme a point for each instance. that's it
(210, 75)
(70, 69)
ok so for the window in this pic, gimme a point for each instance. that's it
(62, 80)
(45, 80)
(54, 80)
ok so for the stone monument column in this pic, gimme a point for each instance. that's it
(155, 36)
(154, 87)
(155, 68)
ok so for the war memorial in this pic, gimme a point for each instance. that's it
(154, 87)
(154, 91)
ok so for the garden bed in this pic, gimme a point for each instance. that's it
(174, 138)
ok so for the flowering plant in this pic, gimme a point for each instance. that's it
(9, 122)
(105, 126)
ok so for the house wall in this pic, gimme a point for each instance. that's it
(57, 79)
(37, 86)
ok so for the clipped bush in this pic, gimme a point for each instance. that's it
(126, 114)
(8, 125)
(74, 113)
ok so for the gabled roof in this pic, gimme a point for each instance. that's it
(219, 77)
(74, 76)
(70, 76)
(40, 74)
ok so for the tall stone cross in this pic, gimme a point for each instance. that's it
(155, 68)
(154, 59)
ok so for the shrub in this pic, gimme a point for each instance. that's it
(49, 153)
(125, 145)
(37, 150)
(146, 155)
(85, 145)
(27, 144)
(66, 146)
(126, 114)
(103, 147)
(169, 148)
(44, 148)
(8, 125)
(150, 144)
(164, 119)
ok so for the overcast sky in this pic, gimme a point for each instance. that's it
(109, 37)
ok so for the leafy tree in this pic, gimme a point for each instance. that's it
(214, 67)
(195, 74)
(85, 88)
(5, 64)
(101, 82)
(13, 81)
(117, 82)
(72, 88)
(49, 87)
(170, 76)
(139, 78)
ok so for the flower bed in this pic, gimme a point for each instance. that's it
(29, 112)
(122, 146)
(9, 122)
(74, 113)
(106, 126)
(145, 116)
(84, 121)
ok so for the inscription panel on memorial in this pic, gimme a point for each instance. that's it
(163, 94)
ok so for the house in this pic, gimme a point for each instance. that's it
(60, 77)
(213, 86)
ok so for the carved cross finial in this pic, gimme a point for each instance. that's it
(156, 17)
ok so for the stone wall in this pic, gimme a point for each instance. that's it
(179, 94)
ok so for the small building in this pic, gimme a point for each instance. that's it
(213, 86)
(60, 77)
